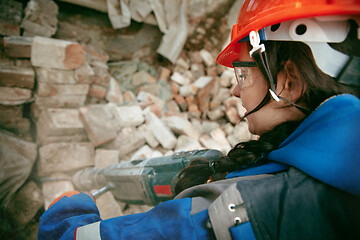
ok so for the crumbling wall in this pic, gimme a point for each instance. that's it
(74, 92)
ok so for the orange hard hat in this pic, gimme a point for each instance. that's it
(255, 15)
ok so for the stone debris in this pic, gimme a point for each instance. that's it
(40, 18)
(76, 104)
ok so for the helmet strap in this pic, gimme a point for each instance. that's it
(258, 53)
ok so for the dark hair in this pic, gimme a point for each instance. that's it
(317, 87)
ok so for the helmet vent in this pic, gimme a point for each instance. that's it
(301, 29)
(275, 27)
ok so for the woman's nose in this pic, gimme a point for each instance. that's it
(236, 91)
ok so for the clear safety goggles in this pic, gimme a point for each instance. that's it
(244, 73)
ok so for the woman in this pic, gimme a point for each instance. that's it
(300, 180)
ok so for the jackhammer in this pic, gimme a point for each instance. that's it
(142, 181)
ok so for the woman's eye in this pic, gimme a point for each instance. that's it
(242, 77)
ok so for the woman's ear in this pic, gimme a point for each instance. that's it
(289, 84)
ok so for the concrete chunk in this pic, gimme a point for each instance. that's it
(64, 157)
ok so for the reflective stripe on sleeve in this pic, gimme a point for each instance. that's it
(88, 232)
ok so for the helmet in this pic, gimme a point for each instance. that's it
(264, 16)
(314, 22)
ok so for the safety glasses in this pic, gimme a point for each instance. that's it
(243, 73)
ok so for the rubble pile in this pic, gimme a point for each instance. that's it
(67, 104)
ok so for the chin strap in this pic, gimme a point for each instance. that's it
(259, 55)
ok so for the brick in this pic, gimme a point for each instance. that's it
(127, 141)
(102, 75)
(49, 90)
(164, 73)
(55, 76)
(17, 77)
(97, 91)
(114, 93)
(105, 158)
(186, 143)
(203, 96)
(144, 152)
(220, 137)
(172, 108)
(181, 126)
(162, 133)
(197, 70)
(84, 74)
(148, 136)
(55, 53)
(74, 101)
(130, 116)
(174, 87)
(76, 137)
(216, 113)
(210, 143)
(17, 46)
(154, 89)
(222, 95)
(154, 109)
(64, 157)
(53, 189)
(179, 79)
(188, 90)
(101, 122)
(148, 98)
(240, 134)
(227, 78)
(142, 77)
(232, 115)
(108, 206)
(60, 121)
(129, 97)
(9, 95)
(180, 100)
(207, 57)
